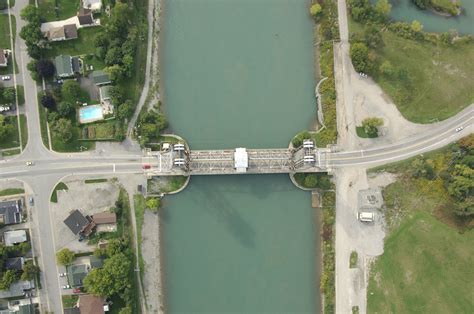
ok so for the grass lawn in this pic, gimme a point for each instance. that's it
(92, 181)
(7, 192)
(69, 301)
(59, 186)
(5, 41)
(361, 133)
(65, 9)
(140, 206)
(83, 45)
(440, 76)
(24, 130)
(43, 123)
(12, 140)
(426, 268)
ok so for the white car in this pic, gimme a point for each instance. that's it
(6, 77)
(459, 129)
(66, 287)
(29, 163)
(366, 216)
(62, 274)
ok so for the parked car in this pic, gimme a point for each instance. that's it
(366, 216)
(62, 274)
(6, 78)
(4, 108)
(146, 166)
(66, 287)
(31, 201)
(76, 290)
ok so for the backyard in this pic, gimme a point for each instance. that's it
(55, 10)
(12, 140)
(436, 84)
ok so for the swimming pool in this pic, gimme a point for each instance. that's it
(90, 114)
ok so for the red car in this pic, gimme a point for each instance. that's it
(146, 166)
(76, 290)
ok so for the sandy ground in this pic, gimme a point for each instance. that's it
(90, 199)
(151, 255)
(10, 184)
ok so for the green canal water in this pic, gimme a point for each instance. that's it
(405, 10)
(239, 73)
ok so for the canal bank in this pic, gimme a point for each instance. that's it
(239, 243)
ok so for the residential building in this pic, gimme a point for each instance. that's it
(11, 238)
(10, 212)
(89, 304)
(94, 5)
(106, 222)
(105, 100)
(76, 274)
(63, 32)
(4, 57)
(85, 17)
(100, 78)
(17, 289)
(95, 262)
(79, 224)
(14, 263)
(63, 64)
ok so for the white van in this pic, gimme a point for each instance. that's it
(366, 216)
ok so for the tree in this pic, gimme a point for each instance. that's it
(360, 57)
(65, 109)
(116, 72)
(370, 125)
(71, 91)
(126, 310)
(422, 4)
(386, 68)
(383, 8)
(8, 278)
(310, 180)
(9, 94)
(65, 256)
(48, 101)
(113, 278)
(30, 270)
(114, 247)
(3, 4)
(373, 37)
(30, 13)
(63, 129)
(125, 110)
(31, 33)
(315, 10)
(153, 203)
(462, 184)
(5, 127)
(416, 26)
(45, 68)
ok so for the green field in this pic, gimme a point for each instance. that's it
(12, 191)
(65, 9)
(5, 41)
(439, 76)
(426, 268)
(83, 45)
(13, 140)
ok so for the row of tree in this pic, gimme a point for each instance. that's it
(9, 276)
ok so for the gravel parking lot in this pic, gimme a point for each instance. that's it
(89, 199)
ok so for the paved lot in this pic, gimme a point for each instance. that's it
(90, 199)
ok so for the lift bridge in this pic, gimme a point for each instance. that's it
(178, 159)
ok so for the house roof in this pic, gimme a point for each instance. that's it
(57, 33)
(76, 222)
(72, 310)
(89, 304)
(76, 274)
(104, 218)
(14, 237)
(96, 262)
(17, 289)
(104, 92)
(10, 212)
(63, 64)
(70, 31)
(26, 309)
(100, 78)
(76, 67)
(3, 59)
(14, 263)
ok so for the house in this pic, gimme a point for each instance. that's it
(63, 32)
(106, 222)
(79, 224)
(17, 289)
(85, 17)
(100, 78)
(95, 262)
(89, 304)
(3, 58)
(14, 237)
(63, 64)
(25, 307)
(10, 212)
(14, 263)
(105, 100)
(76, 274)
(94, 5)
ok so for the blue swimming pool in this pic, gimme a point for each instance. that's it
(90, 114)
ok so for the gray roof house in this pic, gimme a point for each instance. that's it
(100, 78)
(10, 212)
(76, 274)
(76, 222)
(14, 263)
(17, 289)
(63, 64)
(14, 237)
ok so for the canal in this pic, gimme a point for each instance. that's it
(405, 10)
(239, 73)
